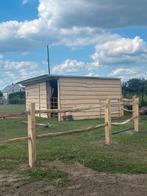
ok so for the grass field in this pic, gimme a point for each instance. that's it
(128, 153)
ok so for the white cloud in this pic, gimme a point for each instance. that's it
(17, 65)
(121, 51)
(95, 13)
(70, 65)
(90, 74)
(77, 23)
(74, 66)
(126, 73)
(14, 71)
(72, 23)
(24, 36)
(115, 53)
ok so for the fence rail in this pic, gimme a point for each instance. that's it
(13, 115)
(123, 123)
(32, 136)
(70, 131)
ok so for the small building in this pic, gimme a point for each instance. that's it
(13, 88)
(63, 92)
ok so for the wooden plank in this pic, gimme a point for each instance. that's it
(80, 101)
(37, 94)
(88, 81)
(108, 132)
(89, 84)
(39, 101)
(105, 88)
(136, 113)
(14, 140)
(38, 124)
(86, 117)
(94, 112)
(31, 135)
(92, 93)
(12, 115)
(70, 131)
(123, 123)
(63, 110)
(86, 97)
(59, 100)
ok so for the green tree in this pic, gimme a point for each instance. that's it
(17, 98)
(135, 86)
(1, 94)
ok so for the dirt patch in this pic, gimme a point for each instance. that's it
(84, 182)
(6, 177)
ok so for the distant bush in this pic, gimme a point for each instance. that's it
(17, 98)
(1, 94)
(137, 87)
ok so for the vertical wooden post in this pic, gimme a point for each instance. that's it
(59, 101)
(108, 133)
(100, 109)
(135, 108)
(121, 107)
(32, 135)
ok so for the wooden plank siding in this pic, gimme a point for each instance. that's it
(85, 92)
(77, 93)
(38, 94)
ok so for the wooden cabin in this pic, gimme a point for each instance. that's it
(63, 92)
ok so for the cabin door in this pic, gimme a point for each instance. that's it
(54, 96)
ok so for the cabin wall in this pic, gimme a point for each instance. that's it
(76, 92)
(38, 94)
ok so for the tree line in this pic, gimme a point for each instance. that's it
(15, 98)
(136, 87)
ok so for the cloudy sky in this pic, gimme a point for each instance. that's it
(93, 38)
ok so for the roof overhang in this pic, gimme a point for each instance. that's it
(46, 78)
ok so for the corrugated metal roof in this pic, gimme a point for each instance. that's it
(46, 77)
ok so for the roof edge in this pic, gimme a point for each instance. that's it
(45, 78)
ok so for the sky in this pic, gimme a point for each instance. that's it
(104, 38)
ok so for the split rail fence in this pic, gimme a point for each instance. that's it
(31, 121)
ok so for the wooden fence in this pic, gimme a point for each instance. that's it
(31, 121)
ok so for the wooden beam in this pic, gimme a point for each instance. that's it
(123, 123)
(136, 113)
(59, 100)
(38, 124)
(70, 131)
(126, 110)
(14, 140)
(65, 110)
(108, 132)
(13, 115)
(31, 135)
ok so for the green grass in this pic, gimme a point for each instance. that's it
(11, 108)
(128, 153)
(56, 177)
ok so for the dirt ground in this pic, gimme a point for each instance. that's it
(84, 182)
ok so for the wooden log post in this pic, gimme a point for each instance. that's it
(121, 107)
(31, 135)
(135, 108)
(108, 133)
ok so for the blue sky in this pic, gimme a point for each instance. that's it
(93, 38)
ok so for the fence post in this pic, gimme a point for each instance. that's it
(108, 133)
(121, 107)
(32, 135)
(136, 113)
